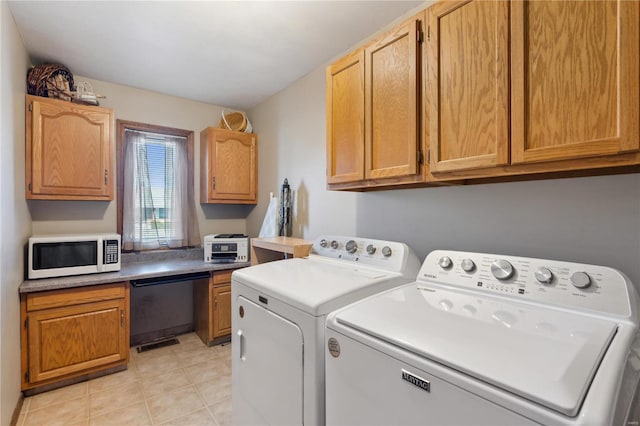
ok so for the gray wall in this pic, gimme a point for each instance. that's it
(589, 220)
(15, 223)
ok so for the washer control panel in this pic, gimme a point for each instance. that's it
(388, 255)
(596, 288)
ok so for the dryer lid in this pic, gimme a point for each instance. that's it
(317, 286)
(544, 355)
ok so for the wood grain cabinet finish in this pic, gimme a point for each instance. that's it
(228, 167)
(392, 82)
(373, 111)
(71, 332)
(345, 119)
(212, 310)
(468, 84)
(531, 87)
(69, 150)
(575, 79)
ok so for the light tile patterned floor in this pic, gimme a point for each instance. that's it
(185, 384)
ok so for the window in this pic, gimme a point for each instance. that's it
(156, 208)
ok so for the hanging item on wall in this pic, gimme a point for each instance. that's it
(284, 229)
(270, 223)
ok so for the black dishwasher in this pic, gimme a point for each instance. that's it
(162, 307)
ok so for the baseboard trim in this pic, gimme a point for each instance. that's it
(16, 411)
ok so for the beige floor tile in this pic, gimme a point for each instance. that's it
(69, 412)
(215, 391)
(133, 415)
(58, 395)
(189, 337)
(111, 380)
(170, 381)
(199, 418)
(175, 404)
(26, 404)
(207, 371)
(21, 418)
(115, 398)
(222, 412)
(157, 365)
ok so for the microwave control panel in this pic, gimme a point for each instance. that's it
(111, 251)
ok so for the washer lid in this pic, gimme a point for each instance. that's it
(547, 356)
(316, 286)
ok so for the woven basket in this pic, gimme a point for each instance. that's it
(50, 80)
(233, 121)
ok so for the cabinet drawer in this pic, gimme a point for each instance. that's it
(223, 277)
(74, 296)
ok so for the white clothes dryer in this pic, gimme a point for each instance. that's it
(487, 340)
(278, 323)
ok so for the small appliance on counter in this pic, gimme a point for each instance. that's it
(226, 248)
(72, 254)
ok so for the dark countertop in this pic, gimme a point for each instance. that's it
(150, 268)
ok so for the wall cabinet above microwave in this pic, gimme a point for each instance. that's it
(69, 150)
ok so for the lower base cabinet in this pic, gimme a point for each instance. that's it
(72, 332)
(213, 308)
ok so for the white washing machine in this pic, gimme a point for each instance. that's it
(487, 340)
(278, 321)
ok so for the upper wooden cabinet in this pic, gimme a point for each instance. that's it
(345, 119)
(228, 167)
(373, 111)
(468, 84)
(575, 79)
(69, 150)
(391, 96)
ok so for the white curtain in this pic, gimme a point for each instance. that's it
(140, 224)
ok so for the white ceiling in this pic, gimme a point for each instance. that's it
(229, 53)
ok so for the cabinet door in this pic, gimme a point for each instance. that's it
(67, 340)
(68, 151)
(231, 167)
(575, 79)
(468, 84)
(345, 119)
(222, 311)
(392, 83)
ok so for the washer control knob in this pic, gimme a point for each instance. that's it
(501, 269)
(371, 249)
(544, 275)
(580, 279)
(323, 243)
(386, 251)
(445, 262)
(467, 265)
(351, 246)
(334, 244)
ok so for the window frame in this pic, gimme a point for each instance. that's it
(122, 126)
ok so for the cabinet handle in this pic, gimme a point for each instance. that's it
(215, 302)
(214, 183)
(122, 317)
(106, 176)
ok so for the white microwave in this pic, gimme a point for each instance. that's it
(76, 254)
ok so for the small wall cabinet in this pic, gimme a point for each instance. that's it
(228, 167)
(69, 150)
(212, 309)
(72, 332)
(373, 111)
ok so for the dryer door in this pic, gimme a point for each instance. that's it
(267, 367)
